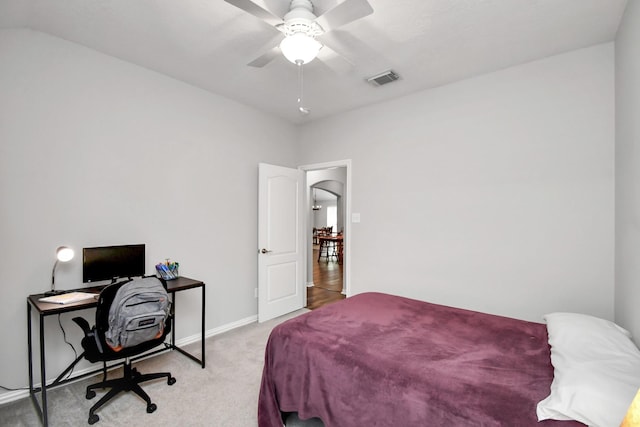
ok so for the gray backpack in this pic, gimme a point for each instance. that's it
(138, 313)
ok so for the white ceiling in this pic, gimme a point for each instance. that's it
(208, 43)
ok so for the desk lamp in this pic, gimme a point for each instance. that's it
(64, 254)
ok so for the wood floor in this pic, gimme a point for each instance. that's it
(327, 280)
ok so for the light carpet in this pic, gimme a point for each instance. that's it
(223, 394)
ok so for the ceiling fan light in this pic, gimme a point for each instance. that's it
(300, 47)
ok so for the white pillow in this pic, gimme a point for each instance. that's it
(596, 370)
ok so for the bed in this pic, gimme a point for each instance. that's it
(382, 360)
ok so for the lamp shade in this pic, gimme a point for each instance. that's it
(64, 254)
(300, 47)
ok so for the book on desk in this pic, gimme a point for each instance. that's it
(69, 297)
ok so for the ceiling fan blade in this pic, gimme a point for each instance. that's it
(345, 12)
(257, 11)
(265, 58)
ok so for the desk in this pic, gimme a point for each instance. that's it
(47, 309)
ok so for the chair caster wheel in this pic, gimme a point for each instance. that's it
(171, 381)
(93, 418)
(151, 408)
(90, 395)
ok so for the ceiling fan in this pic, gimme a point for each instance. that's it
(301, 28)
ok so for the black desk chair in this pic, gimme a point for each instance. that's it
(97, 347)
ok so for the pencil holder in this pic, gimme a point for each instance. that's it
(168, 270)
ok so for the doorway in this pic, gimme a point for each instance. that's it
(327, 246)
(329, 206)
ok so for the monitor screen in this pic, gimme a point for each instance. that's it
(112, 262)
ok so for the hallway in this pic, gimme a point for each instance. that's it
(327, 279)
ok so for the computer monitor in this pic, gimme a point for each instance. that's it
(112, 262)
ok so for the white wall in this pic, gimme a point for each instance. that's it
(627, 295)
(97, 151)
(495, 193)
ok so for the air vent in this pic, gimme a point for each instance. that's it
(384, 78)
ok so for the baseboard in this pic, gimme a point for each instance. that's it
(14, 395)
(217, 331)
(11, 396)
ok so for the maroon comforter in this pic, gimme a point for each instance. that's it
(382, 360)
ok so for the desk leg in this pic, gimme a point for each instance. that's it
(173, 321)
(43, 374)
(29, 349)
(202, 326)
(172, 343)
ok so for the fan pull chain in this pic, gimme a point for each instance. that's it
(301, 107)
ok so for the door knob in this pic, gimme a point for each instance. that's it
(264, 251)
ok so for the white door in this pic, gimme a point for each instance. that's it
(281, 287)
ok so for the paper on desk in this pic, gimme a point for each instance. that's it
(68, 297)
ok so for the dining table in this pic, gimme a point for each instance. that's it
(331, 241)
